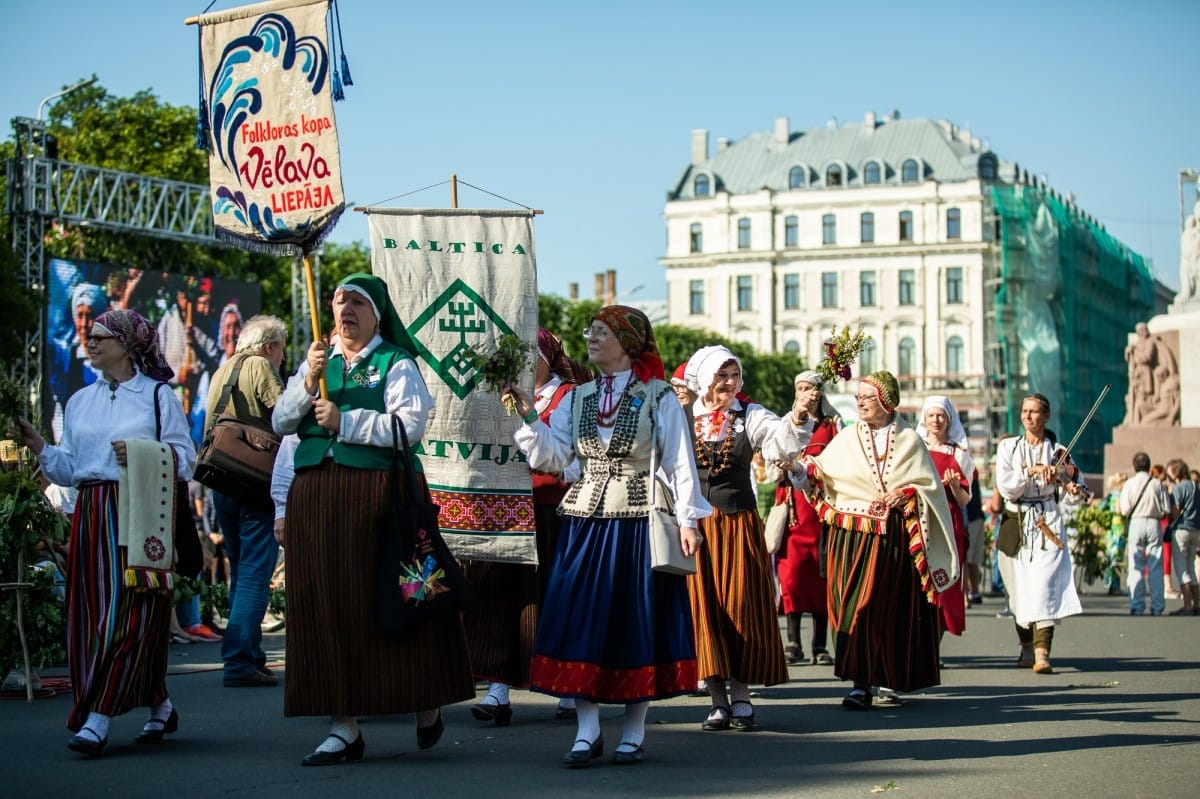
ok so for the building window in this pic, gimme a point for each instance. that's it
(745, 293)
(833, 175)
(792, 346)
(866, 358)
(866, 226)
(954, 285)
(906, 226)
(908, 287)
(871, 173)
(796, 177)
(866, 288)
(695, 297)
(954, 356)
(953, 223)
(987, 167)
(791, 232)
(697, 237)
(909, 171)
(700, 186)
(829, 229)
(907, 353)
(829, 290)
(743, 233)
(791, 292)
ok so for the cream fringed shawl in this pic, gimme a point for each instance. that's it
(848, 482)
(146, 514)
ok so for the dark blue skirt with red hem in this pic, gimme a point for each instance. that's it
(612, 629)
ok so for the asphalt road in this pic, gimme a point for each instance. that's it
(1119, 718)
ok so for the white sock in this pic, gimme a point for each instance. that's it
(633, 732)
(344, 726)
(158, 716)
(587, 720)
(497, 694)
(96, 727)
(567, 703)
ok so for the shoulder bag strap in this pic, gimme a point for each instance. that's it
(157, 413)
(227, 389)
(653, 449)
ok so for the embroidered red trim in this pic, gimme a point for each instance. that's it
(568, 678)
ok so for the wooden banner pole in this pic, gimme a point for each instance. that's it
(312, 310)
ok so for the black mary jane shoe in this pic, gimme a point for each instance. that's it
(87, 746)
(582, 758)
(742, 723)
(718, 719)
(629, 758)
(352, 752)
(500, 714)
(858, 699)
(427, 737)
(155, 736)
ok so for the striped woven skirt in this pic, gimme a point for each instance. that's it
(502, 622)
(612, 629)
(339, 662)
(887, 631)
(117, 638)
(733, 602)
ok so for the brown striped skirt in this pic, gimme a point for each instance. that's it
(887, 631)
(733, 602)
(339, 663)
(502, 623)
(117, 638)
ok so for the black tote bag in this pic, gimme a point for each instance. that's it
(417, 578)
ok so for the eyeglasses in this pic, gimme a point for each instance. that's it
(862, 399)
(92, 339)
(596, 334)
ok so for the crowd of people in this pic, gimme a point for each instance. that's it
(883, 548)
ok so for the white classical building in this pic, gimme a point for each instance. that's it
(776, 239)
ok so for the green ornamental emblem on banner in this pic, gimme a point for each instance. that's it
(440, 334)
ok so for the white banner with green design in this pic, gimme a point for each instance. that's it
(462, 279)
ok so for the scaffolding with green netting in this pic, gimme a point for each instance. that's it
(1066, 295)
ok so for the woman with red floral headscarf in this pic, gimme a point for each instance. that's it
(612, 629)
(117, 637)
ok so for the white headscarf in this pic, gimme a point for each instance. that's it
(955, 433)
(702, 368)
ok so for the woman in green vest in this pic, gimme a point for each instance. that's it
(340, 663)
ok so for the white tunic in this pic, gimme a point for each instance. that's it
(94, 419)
(1041, 587)
(551, 448)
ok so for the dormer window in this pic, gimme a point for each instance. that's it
(833, 175)
(796, 177)
(987, 167)
(872, 174)
(700, 187)
(910, 171)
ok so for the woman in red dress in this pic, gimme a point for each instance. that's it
(943, 433)
(799, 564)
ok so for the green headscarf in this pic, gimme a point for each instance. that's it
(391, 329)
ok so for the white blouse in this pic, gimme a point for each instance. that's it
(551, 448)
(96, 416)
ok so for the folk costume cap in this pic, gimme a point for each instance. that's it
(140, 340)
(810, 377)
(709, 361)
(886, 388)
(636, 336)
(550, 350)
(91, 295)
(391, 329)
(678, 378)
(955, 433)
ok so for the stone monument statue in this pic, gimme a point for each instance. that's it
(1153, 398)
(1189, 256)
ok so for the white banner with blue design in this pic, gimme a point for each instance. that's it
(463, 279)
(269, 79)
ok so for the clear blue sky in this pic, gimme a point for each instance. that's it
(586, 110)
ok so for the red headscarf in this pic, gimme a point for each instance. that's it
(632, 329)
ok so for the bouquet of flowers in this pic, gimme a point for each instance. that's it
(502, 366)
(841, 351)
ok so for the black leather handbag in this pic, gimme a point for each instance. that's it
(418, 578)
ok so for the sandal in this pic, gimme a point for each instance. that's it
(742, 723)
(888, 698)
(718, 719)
(793, 654)
(822, 659)
(858, 699)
